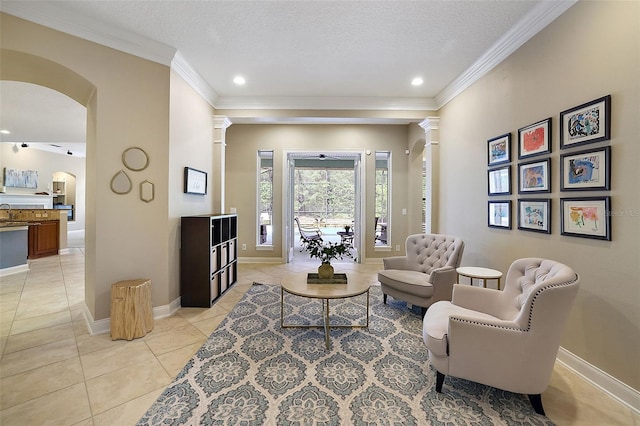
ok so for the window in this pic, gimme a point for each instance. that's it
(265, 198)
(382, 198)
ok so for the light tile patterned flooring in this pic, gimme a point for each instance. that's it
(53, 372)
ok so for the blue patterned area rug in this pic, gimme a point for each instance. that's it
(250, 371)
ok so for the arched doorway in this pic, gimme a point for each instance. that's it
(23, 67)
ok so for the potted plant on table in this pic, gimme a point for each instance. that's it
(327, 252)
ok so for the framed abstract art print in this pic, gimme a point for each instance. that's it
(534, 139)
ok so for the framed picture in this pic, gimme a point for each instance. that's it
(534, 215)
(586, 170)
(16, 178)
(586, 123)
(586, 217)
(534, 177)
(499, 150)
(500, 181)
(195, 181)
(534, 139)
(500, 214)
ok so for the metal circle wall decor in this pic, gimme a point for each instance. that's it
(135, 159)
(120, 183)
(147, 191)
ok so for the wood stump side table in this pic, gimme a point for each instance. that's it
(131, 309)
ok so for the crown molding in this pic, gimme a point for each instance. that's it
(49, 15)
(327, 103)
(539, 17)
(180, 65)
(322, 120)
(46, 14)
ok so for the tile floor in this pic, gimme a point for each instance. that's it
(53, 372)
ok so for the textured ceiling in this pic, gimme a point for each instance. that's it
(312, 53)
(318, 48)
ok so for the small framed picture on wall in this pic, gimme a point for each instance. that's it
(534, 215)
(499, 181)
(499, 150)
(534, 177)
(586, 123)
(195, 181)
(534, 139)
(499, 214)
(586, 170)
(588, 217)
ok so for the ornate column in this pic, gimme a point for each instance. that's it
(431, 126)
(220, 125)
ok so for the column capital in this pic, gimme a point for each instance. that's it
(431, 126)
(221, 122)
(430, 123)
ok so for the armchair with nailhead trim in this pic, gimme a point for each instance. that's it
(505, 339)
(426, 274)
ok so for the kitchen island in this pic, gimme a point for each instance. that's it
(44, 232)
(13, 247)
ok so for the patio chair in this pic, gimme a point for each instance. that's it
(307, 234)
(382, 234)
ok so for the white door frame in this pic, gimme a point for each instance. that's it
(287, 197)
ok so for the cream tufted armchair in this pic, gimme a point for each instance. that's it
(426, 274)
(506, 339)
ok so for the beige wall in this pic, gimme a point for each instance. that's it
(191, 145)
(590, 51)
(243, 142)
(128, 105)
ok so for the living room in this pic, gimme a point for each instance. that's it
(588, 52)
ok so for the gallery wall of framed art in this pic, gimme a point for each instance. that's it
(579, 169)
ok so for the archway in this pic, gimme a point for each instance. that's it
(27, 68)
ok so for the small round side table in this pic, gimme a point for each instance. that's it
(477, 272)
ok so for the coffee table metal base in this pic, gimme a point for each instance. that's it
(325, 316)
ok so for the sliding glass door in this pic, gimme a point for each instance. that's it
(323, 191)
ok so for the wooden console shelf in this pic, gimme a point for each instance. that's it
(208, 258)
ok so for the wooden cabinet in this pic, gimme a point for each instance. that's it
(44, 239)
(208, 258)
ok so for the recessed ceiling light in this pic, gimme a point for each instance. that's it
(239, 80)
(417, 81)
(4, 132)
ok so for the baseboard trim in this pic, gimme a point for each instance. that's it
(103, 326)
(260, 260)
(14, 270)
(166, 310)
(613, 387)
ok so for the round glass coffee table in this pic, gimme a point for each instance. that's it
(297, 285)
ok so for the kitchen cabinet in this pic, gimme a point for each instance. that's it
(44, 239)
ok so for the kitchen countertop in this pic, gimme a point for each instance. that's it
(11, 225)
